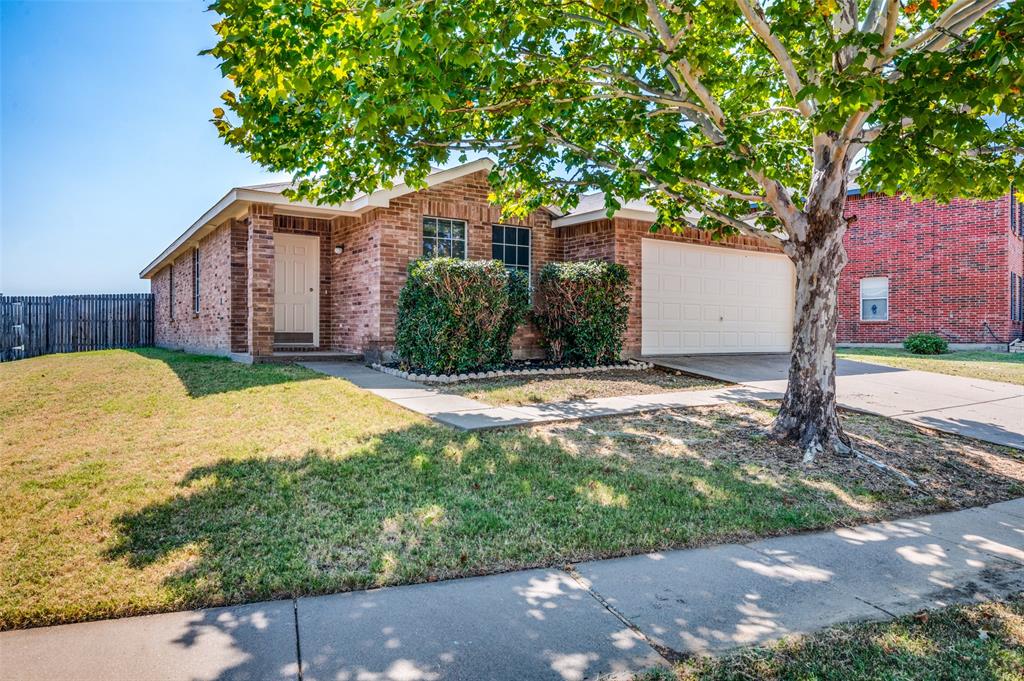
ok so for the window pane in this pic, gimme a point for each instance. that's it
(428, 248)
(523, 237)
(524, 256)
(444, 248)
(429, 227)
(497, 252)
(510, 255)
(497, 234)
(874, 287)
(458, 249)
(444, 229)
(458, 229)
(874, 309)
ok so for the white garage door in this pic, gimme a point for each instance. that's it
(703, 299)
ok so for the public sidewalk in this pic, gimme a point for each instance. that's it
(609, 617)
(466, 414)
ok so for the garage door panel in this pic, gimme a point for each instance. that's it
(703, 299)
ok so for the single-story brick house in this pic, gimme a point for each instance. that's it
(259, 276)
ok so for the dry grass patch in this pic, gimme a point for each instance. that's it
(149, 481)
(954, 472)
(524, 390)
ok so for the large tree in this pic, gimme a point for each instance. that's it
(732, 116)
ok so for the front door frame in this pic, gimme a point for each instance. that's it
(315, 247)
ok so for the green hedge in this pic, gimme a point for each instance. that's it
(926, 344)
(581, 311)
(459, 315)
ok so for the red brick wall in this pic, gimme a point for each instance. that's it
(239, 285)
(1015, 251)
(948, 269)
(383, 243)
(208, 331)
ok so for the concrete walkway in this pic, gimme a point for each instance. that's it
(467, 414)
(610, 617)
(985, 410)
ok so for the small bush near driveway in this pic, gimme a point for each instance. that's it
(926, 344)
(581, 311)
(459, 315)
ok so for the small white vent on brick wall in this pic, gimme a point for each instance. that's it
(1016, 346)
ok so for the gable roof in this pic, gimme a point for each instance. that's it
(235, 203)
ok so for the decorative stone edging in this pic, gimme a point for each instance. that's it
(631, 365)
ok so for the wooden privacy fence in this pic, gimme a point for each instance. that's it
(37, 325)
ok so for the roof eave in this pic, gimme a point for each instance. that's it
(602, 214)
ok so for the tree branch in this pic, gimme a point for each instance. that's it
(757, 22)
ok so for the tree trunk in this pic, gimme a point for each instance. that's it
(808, 414)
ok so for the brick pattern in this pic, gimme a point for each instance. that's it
(1015, 255)
(948, 268)
(260, 279)
(209, 330)
(239, 230)
(380, 245)
(323, 229)
(355, 277)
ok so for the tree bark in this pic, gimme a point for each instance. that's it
(808, 414)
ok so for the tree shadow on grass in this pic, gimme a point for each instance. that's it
(427, 503)
(204, 375)
(977, 642)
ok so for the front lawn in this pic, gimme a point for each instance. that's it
(979, 642)
(539, 389)
(147, 481)
(991, 366)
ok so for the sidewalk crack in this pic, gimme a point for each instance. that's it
(298, 644)
(670, 655)
(876, 607)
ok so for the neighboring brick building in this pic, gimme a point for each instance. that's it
(276, 276)
(954, 270)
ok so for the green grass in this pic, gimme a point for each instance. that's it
(980, 642)
(991, 366)
(149, 481)
(541, 389)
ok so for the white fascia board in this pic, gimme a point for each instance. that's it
(276, 199)
(208, 219)
(602, 214)
(382, 197)
(243, 197)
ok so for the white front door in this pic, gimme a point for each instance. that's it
(296, 289)
(707, 299)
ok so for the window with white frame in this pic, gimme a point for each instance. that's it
(511, 245)
(874, 299)
(444, 238)
(195, 280)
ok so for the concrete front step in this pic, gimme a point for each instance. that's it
(290, 356)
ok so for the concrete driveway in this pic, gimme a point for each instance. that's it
(986, 410)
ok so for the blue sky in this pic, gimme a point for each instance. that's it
(107, 153)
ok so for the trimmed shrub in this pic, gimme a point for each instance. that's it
(581, 311)
(926, 344)
(459, 315)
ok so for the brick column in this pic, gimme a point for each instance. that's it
(260, 282)
(239, 285)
